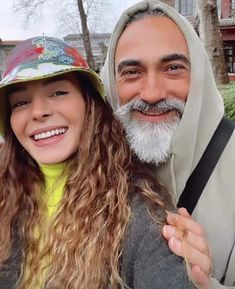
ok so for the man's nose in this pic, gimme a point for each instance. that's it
(154, 88)
(41, 108)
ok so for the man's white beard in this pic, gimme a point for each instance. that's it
(150, 141)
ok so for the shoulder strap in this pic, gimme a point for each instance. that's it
(201, 174)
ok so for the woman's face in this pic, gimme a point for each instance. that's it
(47, 117)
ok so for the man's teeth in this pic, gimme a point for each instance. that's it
(50, 133)
(154, 112)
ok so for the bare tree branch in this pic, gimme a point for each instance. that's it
(69, 22)
(74, 17)
(31, 8)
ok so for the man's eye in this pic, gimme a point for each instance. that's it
(19, 104)
(175, 67)
(130, 73)
(59, 92)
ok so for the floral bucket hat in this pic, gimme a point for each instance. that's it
(39, 58)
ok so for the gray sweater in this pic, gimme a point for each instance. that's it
(147, 262)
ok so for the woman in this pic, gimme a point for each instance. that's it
(76, 209)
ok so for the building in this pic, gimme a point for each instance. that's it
(226, 13)
(227, 27)
(5, 48)
(99, 43)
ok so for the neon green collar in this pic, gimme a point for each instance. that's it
(54, 185)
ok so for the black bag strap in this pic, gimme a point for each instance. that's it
(201, 174)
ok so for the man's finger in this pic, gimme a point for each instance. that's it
(184, 224)
(192, 255)
(199, 277)
(194, 240)
(183, 212)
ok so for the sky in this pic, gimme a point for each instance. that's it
(12, 26)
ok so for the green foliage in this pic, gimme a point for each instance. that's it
(228, 92)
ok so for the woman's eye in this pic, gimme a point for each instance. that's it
(59, 92)
(19, 104)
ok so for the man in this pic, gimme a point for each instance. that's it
(159, 82)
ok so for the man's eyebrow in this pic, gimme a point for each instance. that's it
(166, 58)
(126, 63)
(175, 56)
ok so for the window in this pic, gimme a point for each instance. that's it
(233, 4)
(186, 7)
(230, 57)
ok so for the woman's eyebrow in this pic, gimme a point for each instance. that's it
(21, 87)
(54, 79)
(15, 88)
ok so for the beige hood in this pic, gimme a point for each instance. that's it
(204, 108)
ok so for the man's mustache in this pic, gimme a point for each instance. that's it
(162, 106)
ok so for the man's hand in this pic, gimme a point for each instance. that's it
(187, 239)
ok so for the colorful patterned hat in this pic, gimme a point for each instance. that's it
(42, 57)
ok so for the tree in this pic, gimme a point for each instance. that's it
(209, 32)
(32, 7)
(86, 34)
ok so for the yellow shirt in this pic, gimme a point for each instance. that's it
(54, 188)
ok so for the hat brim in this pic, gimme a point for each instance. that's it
(38, 75)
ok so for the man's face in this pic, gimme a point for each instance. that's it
(152, 76)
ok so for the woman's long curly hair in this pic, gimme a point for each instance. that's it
(83, 242)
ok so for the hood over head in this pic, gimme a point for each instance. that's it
(204, 107)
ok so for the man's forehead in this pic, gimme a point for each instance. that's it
(152, 37)
(158, 19)
(159, 24)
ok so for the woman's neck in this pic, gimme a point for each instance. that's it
(55, 179)
(52, 171)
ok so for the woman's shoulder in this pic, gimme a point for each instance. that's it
(147, 262)
(141, 229)
(141, 222)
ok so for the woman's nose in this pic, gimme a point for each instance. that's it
(41, 108)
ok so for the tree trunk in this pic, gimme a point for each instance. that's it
(211, 37)
(86, 35)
